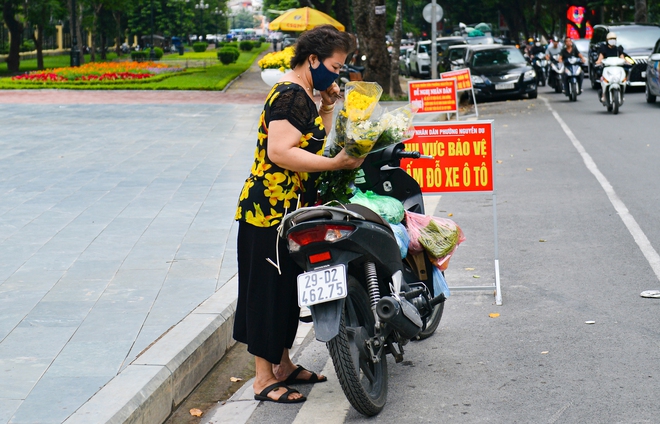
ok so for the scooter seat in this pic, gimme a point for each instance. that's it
(368, 214)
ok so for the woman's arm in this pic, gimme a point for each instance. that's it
(283, 150)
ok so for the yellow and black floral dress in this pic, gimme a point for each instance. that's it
(267, 309)
(271, 190)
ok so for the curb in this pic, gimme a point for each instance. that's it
(149, 389)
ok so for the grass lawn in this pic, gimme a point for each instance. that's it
(215, 77)
(49, 62)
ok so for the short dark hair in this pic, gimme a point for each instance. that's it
(322, 41)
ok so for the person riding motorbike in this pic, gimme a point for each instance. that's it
(610, 49)
(553, 48)
(536, 48)
(568, 51)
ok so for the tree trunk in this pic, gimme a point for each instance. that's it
(361, 11)
(103, 43)
(118, 37)
(396, 52)
(640, 11)
(39, 45)
(379, 60)
(342, 10)
(15, 29)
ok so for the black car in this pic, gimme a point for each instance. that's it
(499, 71)
(637, 41)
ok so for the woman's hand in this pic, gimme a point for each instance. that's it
(345, 161)
(330, 96)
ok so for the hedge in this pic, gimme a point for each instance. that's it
(246, 45)
(200, 46)
(228, 55)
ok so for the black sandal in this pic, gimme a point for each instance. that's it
(282, 399)
(293, 377)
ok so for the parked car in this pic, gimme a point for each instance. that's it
(480, 39)
(637, 41)
(404, 62)
(454, 58)
(288, 41)
(499, 71)
(653, 74)
(420, 57)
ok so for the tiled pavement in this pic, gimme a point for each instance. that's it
(116, 221)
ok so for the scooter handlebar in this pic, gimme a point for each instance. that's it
(412, 155)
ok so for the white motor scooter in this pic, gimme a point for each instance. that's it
(613, 83)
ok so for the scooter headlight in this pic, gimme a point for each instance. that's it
(530, 75)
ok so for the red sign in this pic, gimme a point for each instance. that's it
(462, 77)
(433, 96)
(462, 157)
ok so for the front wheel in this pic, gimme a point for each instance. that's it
(363, 381)
(615, 101)
(573, 94)
(558, 84)
(433, 322)
(533, 94)
(650, 98)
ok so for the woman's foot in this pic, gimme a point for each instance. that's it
(296, 374)
(277, 392)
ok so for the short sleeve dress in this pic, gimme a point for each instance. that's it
(271, 190)
(267, 309)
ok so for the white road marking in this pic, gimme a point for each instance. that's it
(326, 403)
(640, 238)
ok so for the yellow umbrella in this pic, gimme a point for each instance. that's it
(302, 19)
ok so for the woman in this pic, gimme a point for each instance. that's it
(288, 160)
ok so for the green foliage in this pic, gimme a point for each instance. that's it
(246, 45)
(158, 52)
(200, 46)
(27, 46)
(261, 40)
(228, 55)
(140, 55)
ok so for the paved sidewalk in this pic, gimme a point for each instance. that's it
(116, 222)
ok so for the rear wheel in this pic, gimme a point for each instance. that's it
(650, 98)
(363, 381)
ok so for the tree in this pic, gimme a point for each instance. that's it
(10, 10)
(39, 14)
(640, 11)
(396, 52)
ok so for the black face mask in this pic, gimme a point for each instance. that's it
(322, 77)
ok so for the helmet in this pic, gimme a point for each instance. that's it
(530, 40)
(555, 39)
(611, 35)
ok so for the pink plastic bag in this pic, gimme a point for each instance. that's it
(438, 236)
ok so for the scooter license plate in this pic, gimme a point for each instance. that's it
(505, 86)
(322, 285)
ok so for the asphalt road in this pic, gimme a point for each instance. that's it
(575, 204)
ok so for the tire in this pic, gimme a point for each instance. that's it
(615, 101)
(650, 98)
(433, 322)
(364, 383)
(533, 94)
(558, 84)
(594, 84)
(573, 95)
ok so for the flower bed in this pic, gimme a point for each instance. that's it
(99, 72)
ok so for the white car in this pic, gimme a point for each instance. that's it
(404, 62)
(420, 57)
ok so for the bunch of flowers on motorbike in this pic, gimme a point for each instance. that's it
(362, 128)
(278, 60)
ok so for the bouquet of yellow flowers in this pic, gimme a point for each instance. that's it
(354, 128)
(278, 60)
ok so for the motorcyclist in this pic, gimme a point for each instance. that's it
(568, 51)
(536, 48)
(554, 48)
(610, 49)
